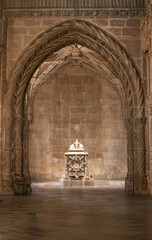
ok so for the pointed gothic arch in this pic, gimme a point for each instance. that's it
(47, 43)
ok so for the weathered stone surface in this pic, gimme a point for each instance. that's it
(101, 22)
(122, 19)
(133, 23)
(117, 22)
(115, 31)
(131, 32)
(133, 46)
(98, 124)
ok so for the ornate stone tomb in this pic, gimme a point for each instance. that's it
(76, 167)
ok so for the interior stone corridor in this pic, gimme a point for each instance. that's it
(104, 212)
(76, 69)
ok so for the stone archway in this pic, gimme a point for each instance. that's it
(103, 44)
(75, 113)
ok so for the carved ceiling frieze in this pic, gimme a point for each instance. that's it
(73, 4)
(75, 13)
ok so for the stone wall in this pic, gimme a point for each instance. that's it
(23, 22)
(21, 31)
(75, 104)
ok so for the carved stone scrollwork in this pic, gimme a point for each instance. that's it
(149, 108)
(136, 180)
(18, 127)
(140, 179)
(29, 113)
(130, 146)
(129, 181)
(78, 166)
(7, 156)
(76, 13)
(21, 178)
(140, 145)
(146, 39)
(7, 139)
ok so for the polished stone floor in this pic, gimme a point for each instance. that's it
(102, 212)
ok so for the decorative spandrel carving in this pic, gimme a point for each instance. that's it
(76, 167)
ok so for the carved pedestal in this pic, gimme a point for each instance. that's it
(76, 167)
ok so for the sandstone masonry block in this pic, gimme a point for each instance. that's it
(15, 41)
(117, 22)
(133, 46)
(34, 30)
(78, 110)
(81, 88)
(17, 30)
(16, 22)
(131, 32)
(48, 22)
(133, 23)
(32, 22)
(101, 22)
(115, 31)
(27, 39)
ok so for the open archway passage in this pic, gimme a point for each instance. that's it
(122, 65)
(77, 103)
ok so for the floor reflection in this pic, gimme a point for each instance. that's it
(102, 212)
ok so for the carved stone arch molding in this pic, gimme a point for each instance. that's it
(45, 44)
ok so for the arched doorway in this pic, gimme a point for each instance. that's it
(77, 100)
(116, 59)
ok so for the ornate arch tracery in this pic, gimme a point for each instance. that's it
(103, 44)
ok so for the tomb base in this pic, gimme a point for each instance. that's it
(76, 182)
(76, 167)
(88, 182)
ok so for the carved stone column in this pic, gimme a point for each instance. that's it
(149, 144)
(129, 181)
(136, 180)
(146, 43)
(19, 181)
(149, 106)
(1, 52)
(7, 154)
(148, 54)
(27, 121)
(5, 123)
(140, 178)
